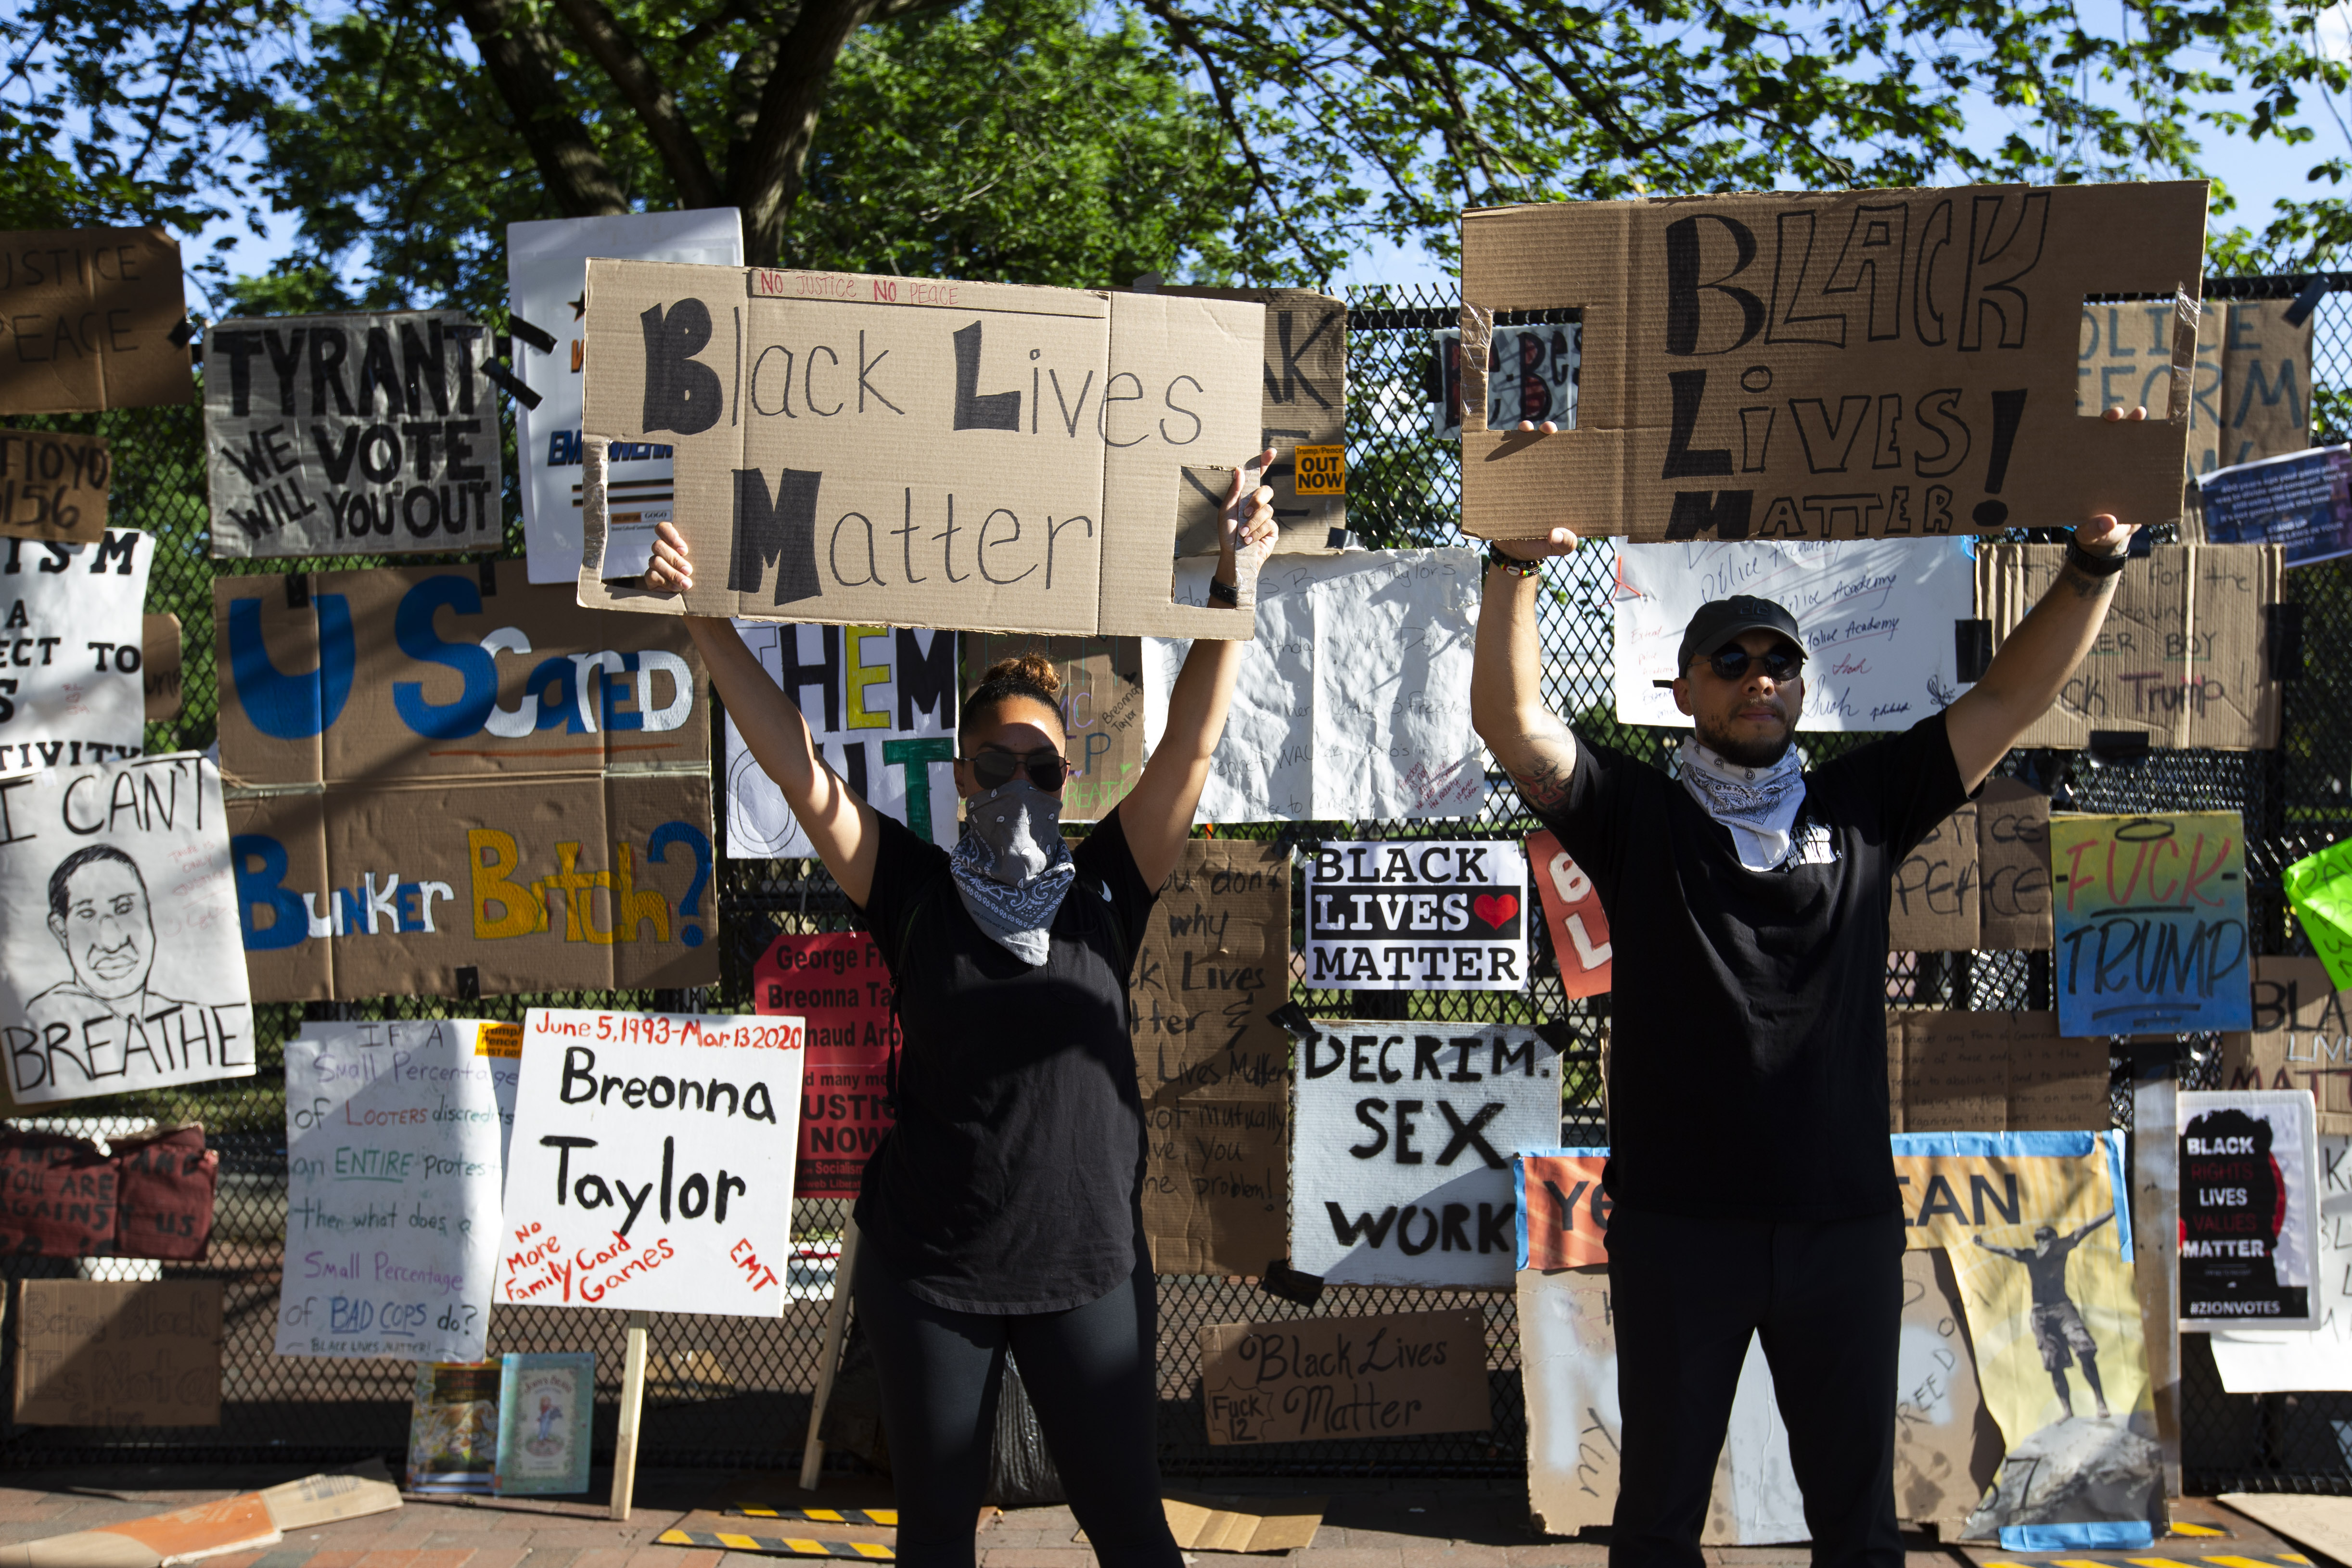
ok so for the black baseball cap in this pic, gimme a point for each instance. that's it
(1720, 621)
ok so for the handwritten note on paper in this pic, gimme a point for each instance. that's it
(1313, 1379)
(393, 1178)
(2150, 922)
(1877, 616)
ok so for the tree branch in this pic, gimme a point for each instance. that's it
(519, 60)
(766, 177)
(612, 49)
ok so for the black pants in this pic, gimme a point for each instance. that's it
(1826, 1298)
(1091, 1377)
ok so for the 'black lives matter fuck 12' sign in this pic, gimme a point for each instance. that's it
(1417, 915)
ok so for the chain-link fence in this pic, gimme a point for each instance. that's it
(727, 1391)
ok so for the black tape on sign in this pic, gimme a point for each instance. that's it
(2309, 301)
(1971, 648)
(182, 330)
(1292, 1020)
(2285, 629)
(486, 569)
(2115, 747)
(537, 337)
(469, 984)
(511, 385)
(298, 590)
(1560, 1035)
(1287, 1283)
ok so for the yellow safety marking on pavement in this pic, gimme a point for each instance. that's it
(2237, 1563)
(2180, 1528)
(2295, 1557)
(888, 1517)
(2075, 1563)
(781, 1546)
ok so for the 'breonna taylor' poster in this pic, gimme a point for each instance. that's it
(121, 964)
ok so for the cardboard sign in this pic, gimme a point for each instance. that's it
(372, 432)
(2319, 891)
(1403, 1147)
(60, 1197)
(1315, 1379)
(2253, 1360)
(837, 983)
(53, 485)
(2301, 502)
(167, 1181)
(1102, 711)
(72, 651)
(546, 275)
(1209, 1063)
(2302, 1038)
(1875, 616)
(160, 656)
(440, 818)
(2182, 659)
(1935, 905)
(1531, 375)
(119, 967)
(2150, 919)
(1353, 699)
(130, 1354)
(2250, 1201)
(393, 1185)
(651, 1164)
(1573, 915)
(91, 319)
(1830, 364)
(1994, 1072)
(1304, 417)
(880, 704)
(1421, 914)
(2013, 866)
(1563, 1208)
(870, 451)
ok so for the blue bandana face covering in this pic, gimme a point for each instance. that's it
(1011, 867)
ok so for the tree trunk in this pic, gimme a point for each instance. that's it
(767, 177)
(521, 62)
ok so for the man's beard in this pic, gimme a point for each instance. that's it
(1745, 753)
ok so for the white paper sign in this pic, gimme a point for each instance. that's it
(1877, 616)
(2285, 1360)
(880, 703)
(70, 691)
(121, 964)
(652, 1163)
(547, 278)
(392, 1191)
(1402, 1147)
(1418, 914)
(1353, 697)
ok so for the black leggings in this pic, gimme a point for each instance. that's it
(1090, 1374)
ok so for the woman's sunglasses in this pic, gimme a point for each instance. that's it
(1047, 770)
(1731, 663)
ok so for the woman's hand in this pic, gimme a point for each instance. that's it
(1559, 541)
(671, 570)
(1243, 542)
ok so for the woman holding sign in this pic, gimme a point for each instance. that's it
(1002, 1212)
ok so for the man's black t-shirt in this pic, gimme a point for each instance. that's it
(1748, 1033)
(1011, 1179)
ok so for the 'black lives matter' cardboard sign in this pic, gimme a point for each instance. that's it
(887, 451)
(1831, 364)
(91, 319)
(1306, 406)
(369, 433)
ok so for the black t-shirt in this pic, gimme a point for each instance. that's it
(1012, 1181)
(1747, 1040)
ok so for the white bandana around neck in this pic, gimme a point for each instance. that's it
(1758, 804)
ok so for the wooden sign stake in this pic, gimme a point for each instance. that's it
(633, 1400)
(837, 1331)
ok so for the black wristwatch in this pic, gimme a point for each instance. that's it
(2094, 566)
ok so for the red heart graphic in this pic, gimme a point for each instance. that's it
(1496, 909)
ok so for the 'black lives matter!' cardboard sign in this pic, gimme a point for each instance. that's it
(1305, 393)
(91, 319)
(1831, 364)
(367, 433)
(889, 451)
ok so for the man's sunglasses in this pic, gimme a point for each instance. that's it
(1047, 770)
(1731, 663)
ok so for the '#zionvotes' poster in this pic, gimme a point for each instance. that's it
(2249, 1209)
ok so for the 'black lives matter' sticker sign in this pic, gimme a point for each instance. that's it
(1423, 914)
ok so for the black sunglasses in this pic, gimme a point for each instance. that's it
(1047, 770)
(1731, 663)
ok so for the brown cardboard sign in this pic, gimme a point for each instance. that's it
(453, 784)
(889, 451)
(160, 655)
(167, 1180)
(2013, 866)
(1212, 1069)
(1996, 1073)
(1830, 364)
(1304, 419)
(2182, 659)
(1312, 1379)
(2302, 1038)
(1102, 710)
(1934, 907)
(54, 486)
(87, 321)
(2266, 383)
(118, 1355)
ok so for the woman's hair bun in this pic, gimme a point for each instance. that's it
(1030, 668)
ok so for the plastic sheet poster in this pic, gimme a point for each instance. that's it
(393, 1176)
(71, 649)
(2319, 890)
(881, 706)
(547, 286)
(121, 969)
(1403, 1145)
(652, 1163)
(1877, 616)
(837, 982)
(1353, 698)
(1420, 913)
(2301, 502)
(2249, 1209)
(2150, 922)
(2279, 1360)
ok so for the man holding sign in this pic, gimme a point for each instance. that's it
(1753, 1189)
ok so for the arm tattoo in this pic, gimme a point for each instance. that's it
(1543, 785)
(2086, 587)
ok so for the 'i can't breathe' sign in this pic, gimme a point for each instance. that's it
(1430, 915)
